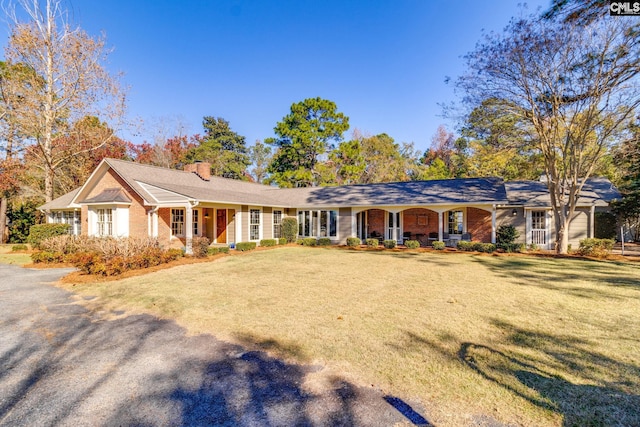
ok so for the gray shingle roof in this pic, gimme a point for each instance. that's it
(109, 195)
(188, 185)
(596, 191)
(62, 202)
(437, 192)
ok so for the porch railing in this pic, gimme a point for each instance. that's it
(539, 237)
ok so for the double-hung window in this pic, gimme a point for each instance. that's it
(195, 222)
(177, 222)
(105, 222)
(254, 224)
(277, 224)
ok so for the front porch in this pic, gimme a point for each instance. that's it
(427, 224)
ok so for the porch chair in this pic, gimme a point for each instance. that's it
(466, 236)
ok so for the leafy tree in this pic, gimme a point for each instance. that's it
(574, 84)
(260, 157)
(223, 148)
(170, 153)
(628, 160)
(12, 79)
(349, 162)
(303, 137)
(68, 80)
(500, 143)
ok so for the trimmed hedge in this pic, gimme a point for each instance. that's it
(282, 241)
(389, 243)
(245, 246)
(353, 241)
(309, 241)
(476, 246)
(324, 241)
(373, 243)
(437, 245)
(213, 250)
(289, 228)
(511, 247)
(412, 244)
(268, 242)
(39, 232)
(16, 248)
(596, 247)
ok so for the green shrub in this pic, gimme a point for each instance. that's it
(47, 257)
(289, 228)
(372, 243)
(200, 247)
(465, 245)
(39, 232)
(282, 241)
(268, 242)
(324, 241)
(437, 245)
(173, 254)
(16, 248)
(511, 247)
(412, 244)
(309, 241)
(214, 250)
(299, 241)
(245, 246)
(596, 247)
(389, 243)
(353, 242)
(506, 234)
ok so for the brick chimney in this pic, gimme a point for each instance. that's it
(203, 170)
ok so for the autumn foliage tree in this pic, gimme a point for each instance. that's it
(573, 83)
(69, 82)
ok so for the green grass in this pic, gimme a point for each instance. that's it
(523, 340)
(9, 257)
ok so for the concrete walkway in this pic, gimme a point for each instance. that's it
(63, 365)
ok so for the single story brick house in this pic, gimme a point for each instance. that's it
(123, 198)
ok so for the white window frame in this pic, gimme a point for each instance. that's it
(310, 223)
(461, 226)
(195, 216)
(255, 221)
(179, 225)
(277, 223)
(102, 214)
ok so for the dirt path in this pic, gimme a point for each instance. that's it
(61, 364)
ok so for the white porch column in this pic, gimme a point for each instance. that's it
(188, 233)
(592, 222)
(154, 223)
(354, 223)
(440, 226)
(493, 224)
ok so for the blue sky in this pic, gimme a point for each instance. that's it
(383, 63)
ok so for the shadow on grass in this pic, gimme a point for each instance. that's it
(602, 391)
(61, 363)
(559, 274)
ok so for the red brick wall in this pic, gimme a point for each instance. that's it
(137, 211)
(412, 219)
(164, 226)
(479, 224)
(376, 221)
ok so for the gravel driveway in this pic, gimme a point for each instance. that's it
(61, 364)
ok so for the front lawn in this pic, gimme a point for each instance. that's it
(8, 256)
(473, 338)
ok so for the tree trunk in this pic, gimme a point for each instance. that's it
(3, 220)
